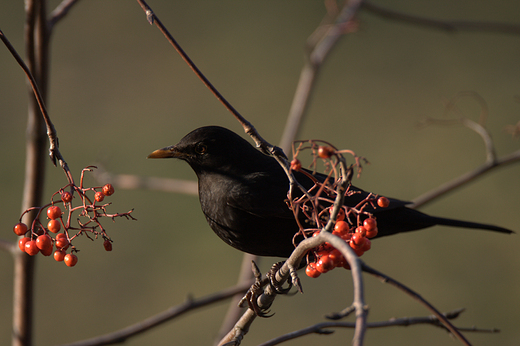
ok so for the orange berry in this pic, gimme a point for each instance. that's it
(54, 226)
(325, 152)
(369, 223)
(70, 260)
(383, 202)
(340, 228)
(20, 228)
(53, 212)
(31, 248)
(21, 243)
(311, 270)
(59, 255)
(361, 231)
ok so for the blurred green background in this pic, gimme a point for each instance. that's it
(119, 91)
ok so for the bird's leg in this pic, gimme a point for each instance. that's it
(251, 297)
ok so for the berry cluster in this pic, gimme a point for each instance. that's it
(328, 258)
(354, 224)
(39, 238)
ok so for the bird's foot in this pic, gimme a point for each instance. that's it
(254, 292)
(277, 285)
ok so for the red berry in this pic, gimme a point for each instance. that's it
(296, 165)
(366, 245)
(21, 243)
(54, 226)
(108, 190)
(62, 242)
(369, 223)
(336, 258)
(357, 249)
(383, 202)
(43, 242)
(311, 270)
(53, 212)
(372, 233)
(20, 228)
(66, 197)
(59, 255)
(361, 231)
(31, 248)
(70, 260)
(358, 240)
(108, 245)
(324, 264)
(340, 228)
(325, 152)
(46, 251)
(99, 196)
(341, 214)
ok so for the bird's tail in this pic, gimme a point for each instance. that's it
(468, 224)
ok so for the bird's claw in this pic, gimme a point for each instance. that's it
(277, 285)
(254, 292)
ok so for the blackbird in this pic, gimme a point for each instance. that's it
(243, 195)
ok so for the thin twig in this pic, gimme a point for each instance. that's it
(60, 12)
(165, 316)
(386, 279)
(448, 25)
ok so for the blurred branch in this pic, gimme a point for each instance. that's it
(191, 304)
(448, 25)
(319, 45)
(132, 182)
(492, 161)
(322, 328)
(60, 12)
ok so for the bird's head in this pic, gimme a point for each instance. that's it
(214, 148)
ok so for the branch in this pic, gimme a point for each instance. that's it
(191, 304)
(60, 12)
(416, 296)
(321, 328)
(447, 25)
(320, 44)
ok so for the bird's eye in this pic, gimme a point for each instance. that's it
(201, 148)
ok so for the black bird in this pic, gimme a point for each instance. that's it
(242, 193)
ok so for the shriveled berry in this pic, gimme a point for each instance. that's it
(99, 196)
(296, 165)
(20, 228)
(108, 190)
(54, 226)
(53, 212)
(108, 245)
(66, 197)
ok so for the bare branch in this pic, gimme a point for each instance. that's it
(448, 25)
(60, 12)
(172, 313)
